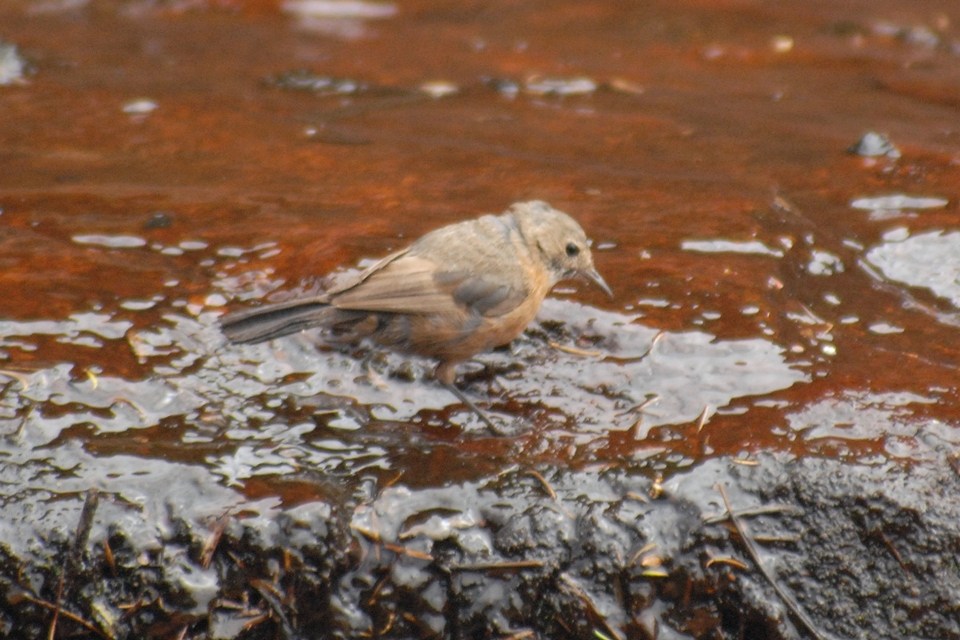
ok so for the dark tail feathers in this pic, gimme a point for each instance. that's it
(276, 320)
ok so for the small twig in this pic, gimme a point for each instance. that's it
(256, 621)
(72, 564)
(764, 510)
(89, 626)
(498, 566)
(776, 539)
(213, 540)
(639, 408)
(954, 460)
(84, 526)
(410, 553)
(18, 435)
(237, 560)
(375, 593)
(134, 404)
(639, 553)
(130, 608)
(52, 631)
(652, 564)
(22, 378)
(272, 597)
(391, 620)
(787, 599)
(634, 359)
(591, 606)
(893, 550)
(232, 605)
(108, 557)
(369, 534)
(704, 417)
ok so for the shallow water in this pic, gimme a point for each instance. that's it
(163, 162)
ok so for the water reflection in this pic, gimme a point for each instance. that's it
(840, 425)
(276, 409)
(930, 259)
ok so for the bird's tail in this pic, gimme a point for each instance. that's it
(276, 320)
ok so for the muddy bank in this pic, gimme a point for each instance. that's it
(846, 551)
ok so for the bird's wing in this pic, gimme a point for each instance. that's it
(358, 279)
(416, 285)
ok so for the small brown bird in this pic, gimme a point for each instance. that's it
(457, 291)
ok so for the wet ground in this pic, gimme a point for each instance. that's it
(772, 194)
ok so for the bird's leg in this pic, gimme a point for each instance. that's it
(372, 374)
(480, 414)
(445, 375)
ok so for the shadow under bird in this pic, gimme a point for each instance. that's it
(455, 292)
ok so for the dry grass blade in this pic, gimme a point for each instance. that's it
(584, 353)
(543, 482)
(135, 406)
(22, 378)
(704, 417)
(733, 562)
(640, 553)
(369, 534)
(785, 597)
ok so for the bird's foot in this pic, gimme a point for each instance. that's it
(491, 425)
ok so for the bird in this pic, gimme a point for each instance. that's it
(455, 292)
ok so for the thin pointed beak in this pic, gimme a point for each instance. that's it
(598, 280)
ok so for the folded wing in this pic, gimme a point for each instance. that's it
(415, 285)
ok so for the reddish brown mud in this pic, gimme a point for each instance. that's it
(779, 298)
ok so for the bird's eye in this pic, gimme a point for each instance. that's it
(572, 249)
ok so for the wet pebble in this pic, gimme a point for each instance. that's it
(340, 9)
(899, 202)
(110, 241)
(140, 107)
(439, 88)
(872, 145)
(13, 67)
(159, 220)
(303, 80)
(555, 86)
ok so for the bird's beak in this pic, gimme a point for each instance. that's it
(597, 279)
